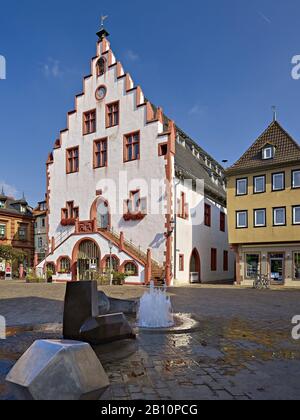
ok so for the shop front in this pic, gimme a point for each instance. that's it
(280, 262)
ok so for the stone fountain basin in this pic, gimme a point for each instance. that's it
(183, 324)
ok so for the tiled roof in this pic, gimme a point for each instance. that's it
(192, 166)
(187, 138)
(287, 151)
(13, 207)
(196, 167)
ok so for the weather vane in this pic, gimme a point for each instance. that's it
(274, 109)
(103, 19)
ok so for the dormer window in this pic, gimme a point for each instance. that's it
(268, 153)
(23, 209)
(2, 204)
(42, 206)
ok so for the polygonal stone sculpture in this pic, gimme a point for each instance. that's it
(126, 306)
(103, 304)
(81, 303)
(53, 370)
(106, 329)
(108, 305)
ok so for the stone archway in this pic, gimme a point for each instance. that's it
(195, 267)
(86, 258)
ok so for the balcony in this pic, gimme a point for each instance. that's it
(68, 222)
(134, 216)
(86, 226)
(135, 210)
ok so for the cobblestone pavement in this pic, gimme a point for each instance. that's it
(243, 349)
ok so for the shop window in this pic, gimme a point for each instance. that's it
(297, 265)
(252, 265)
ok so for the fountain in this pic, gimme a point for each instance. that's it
(155, 310)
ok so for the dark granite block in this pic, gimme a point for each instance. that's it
(106, 329)
(81, 303)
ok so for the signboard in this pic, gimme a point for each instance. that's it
(8, 272)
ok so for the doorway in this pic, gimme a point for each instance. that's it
(277, 268)
(195, 267)
(50, 272)
(102, 214)
(88, 261)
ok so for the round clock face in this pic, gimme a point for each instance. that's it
(101, 93)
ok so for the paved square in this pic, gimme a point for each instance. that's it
(243, 350)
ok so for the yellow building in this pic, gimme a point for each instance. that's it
(16, 230)
(264, 209)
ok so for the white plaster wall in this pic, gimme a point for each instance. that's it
(81, 187)
(67, 247)
(202, 238)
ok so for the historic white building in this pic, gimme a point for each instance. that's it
(125, 186)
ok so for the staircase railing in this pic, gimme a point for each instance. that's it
(137, 249)
(62, 236)
(66, 233)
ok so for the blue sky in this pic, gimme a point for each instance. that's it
(215, 66)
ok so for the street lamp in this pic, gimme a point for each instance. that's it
(110, 245)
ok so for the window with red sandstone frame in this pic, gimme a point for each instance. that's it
(112, 114)
(100, 153)
(89, 122)
(72, 160)
(132, 147)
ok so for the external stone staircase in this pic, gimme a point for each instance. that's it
(157, 271)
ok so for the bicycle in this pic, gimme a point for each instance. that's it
(262, 282)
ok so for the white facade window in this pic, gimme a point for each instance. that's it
(242, 219)
(278, 182)
(296, 215)
(242, 186)
(268, 153)
(259, 184)
(40, 242)
(260, 218)
(279, 216)
(296, 179)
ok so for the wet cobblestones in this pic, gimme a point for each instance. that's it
(239, 353)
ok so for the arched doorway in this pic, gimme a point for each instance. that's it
(86, 258)
(101, 212)
(50, 271)
(195, 267)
